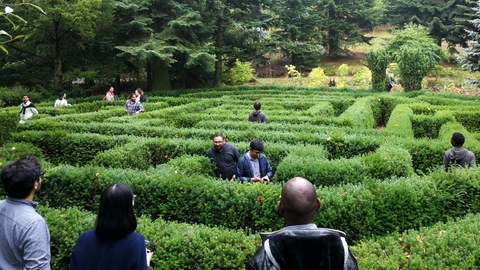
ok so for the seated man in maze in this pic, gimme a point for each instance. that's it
(253, 166)
(225, 156)
(458, 155)
(301, 245)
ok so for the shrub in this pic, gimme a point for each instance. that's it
(388, 161)
(377, 61)
(241, 72)
(14, 151)
(8, 122)
(399, 123)
(360, 114)
(316, 77)
(452, 245)
(179, 246)
(400, 204)
(363, 77)
(321, 109)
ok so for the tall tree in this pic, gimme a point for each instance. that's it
(237, 28)
(471, 59)
(295, 32)
(66, 28)
(344, 21)
(166, 35)
(459, 15)
(446, 19)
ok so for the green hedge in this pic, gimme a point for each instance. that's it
(453, 245)
(399, 123)
(62, 147)
(374, 208)
(469, 119)
(360, 114)
(9, 122)
(13, 151)
(310, 162)
(179, 246)
(428, 126)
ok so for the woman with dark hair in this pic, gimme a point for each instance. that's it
(140, 95)
(61, 100)
(113, 244)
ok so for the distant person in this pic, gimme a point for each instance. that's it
(110, 96)
(24, 235)
(332, 82)
(253, 166)
(257, 115)
(301, 245)
(133, 106)
(61, 100)
(113, 244)
(27, 109)
(140, 95)
(225, 156)
(391, 82)
(458, 156)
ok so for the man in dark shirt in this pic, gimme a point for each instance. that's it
(257, 115)
(225, 156)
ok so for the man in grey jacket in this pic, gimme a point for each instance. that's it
(458, 155)
(25, 239)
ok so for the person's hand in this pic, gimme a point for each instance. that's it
(266, 178)
(255, 179)
(234, 177)
(149, 256)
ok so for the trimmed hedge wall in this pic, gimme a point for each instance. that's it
(400, 123)
(374, 208)
(62, 147)
(311, 163)
(179, 245)
(453, 245)
(360, 114)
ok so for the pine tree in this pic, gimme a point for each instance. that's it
(472, 59)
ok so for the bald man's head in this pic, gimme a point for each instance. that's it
(299, 203)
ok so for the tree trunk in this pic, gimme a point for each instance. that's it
(217, 78)
(149, 74)
(58, 57)
(160, 76)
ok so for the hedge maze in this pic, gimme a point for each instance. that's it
(376, 159)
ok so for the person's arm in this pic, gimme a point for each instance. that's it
(473, 162)
(446, 162)
(140, 254)
(241, 174)
(140, 108)
(36, 252)
(269, 169)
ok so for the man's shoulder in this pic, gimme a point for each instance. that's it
(309, 232)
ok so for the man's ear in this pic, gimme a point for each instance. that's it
(280, 209)
(318, 205)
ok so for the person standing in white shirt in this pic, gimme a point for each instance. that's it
(62, 100)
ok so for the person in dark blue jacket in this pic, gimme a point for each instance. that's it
(253, 166)
(113, 244)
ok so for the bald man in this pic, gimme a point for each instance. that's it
(301, 245)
